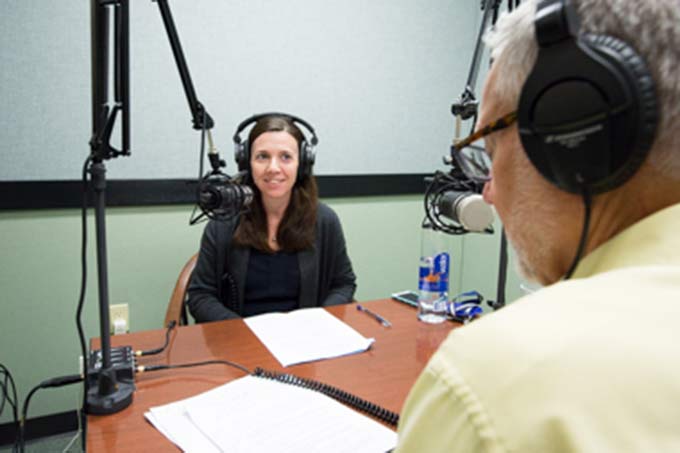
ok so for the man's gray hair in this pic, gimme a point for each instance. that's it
(651, 27)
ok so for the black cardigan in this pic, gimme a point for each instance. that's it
(326, 275)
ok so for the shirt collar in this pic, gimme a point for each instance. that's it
(653, 240)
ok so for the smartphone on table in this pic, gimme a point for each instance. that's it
(407, 297)
(411, 298)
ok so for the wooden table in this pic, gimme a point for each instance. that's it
(383, 375)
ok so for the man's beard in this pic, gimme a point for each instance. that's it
(533, 255)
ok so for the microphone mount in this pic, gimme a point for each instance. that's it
(221, 197)
(439, 185)
(466, 106)
(215, 190)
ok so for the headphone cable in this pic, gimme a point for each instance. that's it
(587, 203)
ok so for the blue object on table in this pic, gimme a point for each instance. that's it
(466, 305)
(374, 315)
(466, 310)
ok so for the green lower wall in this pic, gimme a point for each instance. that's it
(40, 275)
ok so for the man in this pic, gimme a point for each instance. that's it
(591, 362)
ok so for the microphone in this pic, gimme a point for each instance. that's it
(221, 197)
(467, 209)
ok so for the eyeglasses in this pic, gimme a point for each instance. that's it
(473, 159)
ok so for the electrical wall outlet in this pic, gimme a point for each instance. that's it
(119, 319)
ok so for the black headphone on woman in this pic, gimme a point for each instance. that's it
(588, 110)
(306, 149)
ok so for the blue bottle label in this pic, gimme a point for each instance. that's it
(434, 273)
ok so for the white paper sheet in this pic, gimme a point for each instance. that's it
(306, 335)
(173, 422)
(252, 415)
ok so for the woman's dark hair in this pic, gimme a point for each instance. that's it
(297, 228)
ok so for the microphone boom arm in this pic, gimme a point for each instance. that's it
(466, 106)
(201, 118)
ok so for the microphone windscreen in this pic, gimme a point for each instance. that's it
(467, 209)
(474, 213)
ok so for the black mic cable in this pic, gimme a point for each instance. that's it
(83, 290)
(146, 368)
(171, 326)
(5, 385)
(193, 219)
(48, 383)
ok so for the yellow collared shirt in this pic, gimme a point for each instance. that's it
(586, 365)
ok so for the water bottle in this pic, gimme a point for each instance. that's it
(433, 276)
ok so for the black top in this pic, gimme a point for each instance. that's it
(272, 283)
(326, 276)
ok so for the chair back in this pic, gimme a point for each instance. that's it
(176, 308)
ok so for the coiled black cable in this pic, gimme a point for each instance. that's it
(230, 292)
(372, 409)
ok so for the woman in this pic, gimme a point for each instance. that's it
(288, 250)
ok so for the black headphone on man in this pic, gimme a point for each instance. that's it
(588, 110)
(306, 149)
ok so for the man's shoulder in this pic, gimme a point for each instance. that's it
(567, 319)
(574, 308)
(596, 342)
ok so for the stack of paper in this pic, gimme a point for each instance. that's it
(253, 414)
(306, 335)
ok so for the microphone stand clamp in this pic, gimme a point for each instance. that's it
(466, 106)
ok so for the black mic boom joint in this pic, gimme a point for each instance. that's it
(466, 106)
